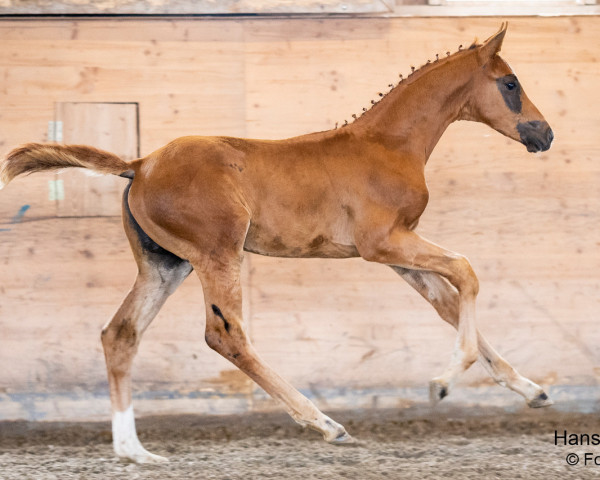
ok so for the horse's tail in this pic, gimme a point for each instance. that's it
(36, 157)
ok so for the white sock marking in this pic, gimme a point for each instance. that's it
(125, 439)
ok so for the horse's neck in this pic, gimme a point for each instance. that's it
(413, 116)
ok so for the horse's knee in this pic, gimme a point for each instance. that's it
(120, 339)
(122, 332)
(464, 277)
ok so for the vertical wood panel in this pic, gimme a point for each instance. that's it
(109, 126)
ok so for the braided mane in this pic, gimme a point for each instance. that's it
(413, 75)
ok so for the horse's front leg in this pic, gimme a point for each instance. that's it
(437, 291)
(404, 248)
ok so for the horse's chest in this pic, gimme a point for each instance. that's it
(405, 196)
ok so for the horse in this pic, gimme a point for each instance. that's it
(199, 203)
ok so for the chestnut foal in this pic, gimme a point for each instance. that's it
(199, 202)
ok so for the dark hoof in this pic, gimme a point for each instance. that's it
(437, 391)
(542, 400)
(343, 439)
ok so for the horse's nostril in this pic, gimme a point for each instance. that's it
(550, 135)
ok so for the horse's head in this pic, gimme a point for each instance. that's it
(498, 100)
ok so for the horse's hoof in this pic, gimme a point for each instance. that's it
(437, 391)
(151, 458)
(343, 438)
(142, 456)
(542, 400)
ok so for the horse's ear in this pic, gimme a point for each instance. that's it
(492, 45)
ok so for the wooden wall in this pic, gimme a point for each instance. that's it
(346, 332)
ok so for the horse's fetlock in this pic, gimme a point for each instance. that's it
(466, 351)
(471, 355)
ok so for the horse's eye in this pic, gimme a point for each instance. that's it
(510, 85)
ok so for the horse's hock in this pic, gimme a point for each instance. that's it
(346, 333)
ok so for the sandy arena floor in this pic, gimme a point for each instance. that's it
(416, 443)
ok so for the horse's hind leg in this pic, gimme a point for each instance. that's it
(160, 273)
(225, 334)
(444, 299)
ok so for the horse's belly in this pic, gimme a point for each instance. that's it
(298, 244)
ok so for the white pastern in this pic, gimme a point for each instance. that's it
(125, 440)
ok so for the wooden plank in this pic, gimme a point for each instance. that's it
(180, 69)
(196, 7)
(407, 8)
(26, 199)
(51, 318)
(108, 126)
(367, 329)
(23, 121)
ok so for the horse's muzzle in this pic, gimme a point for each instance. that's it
(536, 136)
